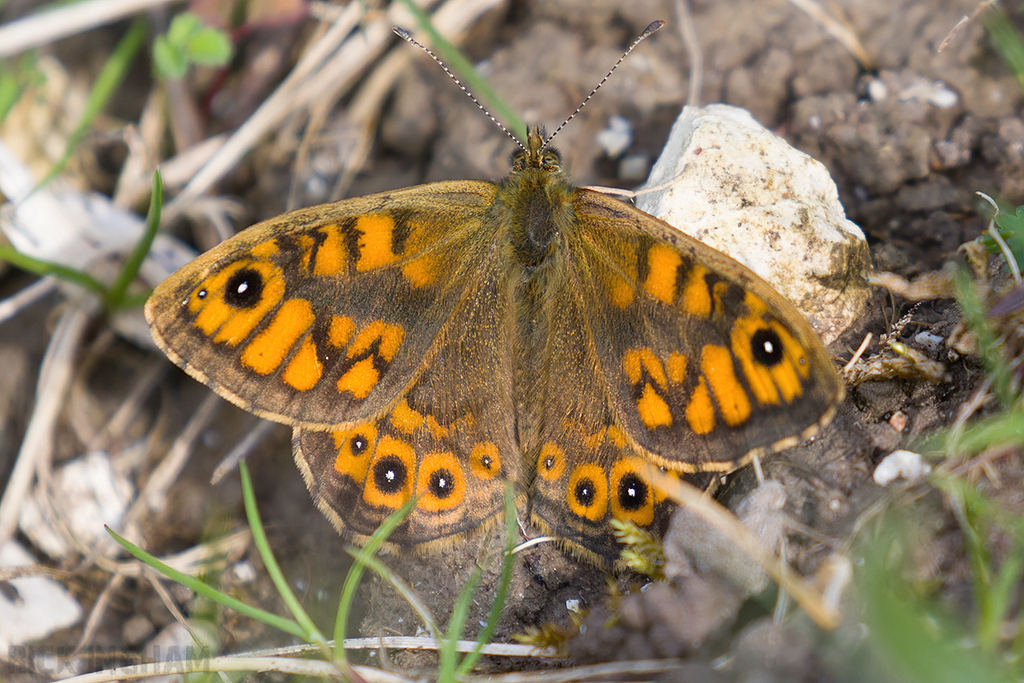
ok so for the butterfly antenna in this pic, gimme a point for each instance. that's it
(407, 37)
(651, 28)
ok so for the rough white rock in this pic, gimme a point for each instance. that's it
(89, 494)
(729, 182)
(905, 465)
(33, 607)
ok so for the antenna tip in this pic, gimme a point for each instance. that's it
(652, 27)
(405, 35)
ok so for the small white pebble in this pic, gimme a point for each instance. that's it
(901, 464)
(928, 340)
(244, 572)
(617, 137)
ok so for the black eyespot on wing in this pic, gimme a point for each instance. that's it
(244, 289)
(441, 483)
(584, 492)
(766, 346)
(389, 475)
(358, 444)
(632, 493)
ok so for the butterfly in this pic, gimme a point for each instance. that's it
(440, 340)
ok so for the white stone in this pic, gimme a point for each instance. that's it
(729, 182)
(34, 606)
(88, 494)
(617, 137)
(901, 465)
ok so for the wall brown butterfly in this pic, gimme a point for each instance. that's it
(441, 340)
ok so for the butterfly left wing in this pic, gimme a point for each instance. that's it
(675, 353)
(705, 365)
(379, 327)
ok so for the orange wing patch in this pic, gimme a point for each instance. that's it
(267, 351)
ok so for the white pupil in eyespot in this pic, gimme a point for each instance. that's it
(242, 287)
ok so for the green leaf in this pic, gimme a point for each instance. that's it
(116, 296)
(183, 27)
(187, 42)
(168, 59)
(209, 46)
(1011, 229)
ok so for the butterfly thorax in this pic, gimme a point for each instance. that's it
(539, 199)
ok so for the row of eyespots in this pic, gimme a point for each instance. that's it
(384, 467)
(592, 492)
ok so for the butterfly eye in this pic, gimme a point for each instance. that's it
(766, 347)
(244, 288)
(632, 493)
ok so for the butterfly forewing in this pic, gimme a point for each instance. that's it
(704, 363)
(323, 316)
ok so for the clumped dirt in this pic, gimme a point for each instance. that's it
(910, 136)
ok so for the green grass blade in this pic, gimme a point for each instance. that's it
(15, 81)
(456, 626)
(116, 295)
(504, 581)
(355, 574)
(1006, 40)
(1003, 428)
(974, 313)
(913, 637)
(107, 82)
(403, 589)
(310, 632)
(209, 592)
(44, 268)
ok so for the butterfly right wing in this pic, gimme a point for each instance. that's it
(379, 327)
(450, 440)
(323, 316)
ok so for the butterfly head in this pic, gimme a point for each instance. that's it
(536, 153)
